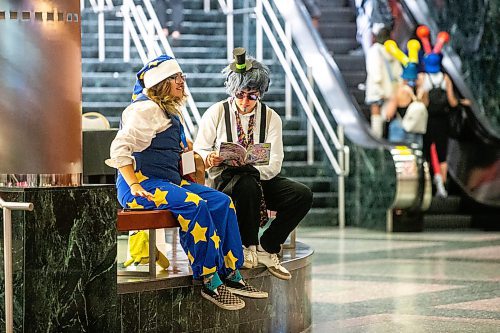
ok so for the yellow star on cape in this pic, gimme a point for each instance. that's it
(140, 176)
(216, 239)
(207, 271)
(185, 182)
(190, 257)
(199, 233)
(183, 222)
(231, 205)
(230, 260)
(191, 197)
(134, 205)
(160, 197)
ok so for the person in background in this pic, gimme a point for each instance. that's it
(364, 35)
(409, 90)
(177, 16)
(442, 98)
(146, 151)
(314, 11)
(371, 17)
(243, 118)
(382, 77)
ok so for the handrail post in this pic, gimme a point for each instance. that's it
(341, 177)
(206, 6)
(246, 26)
(126, 40)
(7, 254)
(230, 29)
(288, 85)
(100, 23)
(310, 130)
(258, 33)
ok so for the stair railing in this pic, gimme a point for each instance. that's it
(8, 207)
(341, 167)
(150, 33)
(100, 7)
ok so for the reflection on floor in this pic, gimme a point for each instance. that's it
(365, 281)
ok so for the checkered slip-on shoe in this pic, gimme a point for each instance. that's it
(244, 289)
(223, 298)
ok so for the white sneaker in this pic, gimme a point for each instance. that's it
(250, 256)
(273, 264)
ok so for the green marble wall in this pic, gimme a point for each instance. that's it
(474, 26)
(64, 260)
(370, 187)
(182, 309)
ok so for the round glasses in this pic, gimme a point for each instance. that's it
(179, 78)
(253, 96)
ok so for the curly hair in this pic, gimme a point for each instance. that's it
(160, 94)
(257, 78)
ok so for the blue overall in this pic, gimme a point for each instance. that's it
(209, 230)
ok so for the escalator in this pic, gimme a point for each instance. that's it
(474, 155)
(474, 150)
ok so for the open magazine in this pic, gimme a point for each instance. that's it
(235, 154)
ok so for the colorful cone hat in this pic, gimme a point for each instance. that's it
(409, 61)
(433, 56)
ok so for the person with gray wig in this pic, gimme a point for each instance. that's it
(243, 118)
(256, 79)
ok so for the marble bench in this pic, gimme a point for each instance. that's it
(151, 220)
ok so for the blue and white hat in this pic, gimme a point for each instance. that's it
(154, 72)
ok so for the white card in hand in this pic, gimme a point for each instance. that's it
(188, 162)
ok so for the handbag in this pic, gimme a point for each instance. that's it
(416, 116)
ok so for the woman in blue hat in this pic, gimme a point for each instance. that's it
(146, 151)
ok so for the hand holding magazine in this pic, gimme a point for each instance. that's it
(235, 154)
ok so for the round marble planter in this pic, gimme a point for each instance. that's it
(172, 302)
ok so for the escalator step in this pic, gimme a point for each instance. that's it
(450, 221)
(448, 205)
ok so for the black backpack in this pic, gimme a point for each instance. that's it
(438, 101)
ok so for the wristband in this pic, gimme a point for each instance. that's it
(134, 184)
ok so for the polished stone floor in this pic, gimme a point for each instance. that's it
(366, 281)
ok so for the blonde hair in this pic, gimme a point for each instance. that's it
(160, 93)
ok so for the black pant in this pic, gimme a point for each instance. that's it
(177, 15)
(291, 201)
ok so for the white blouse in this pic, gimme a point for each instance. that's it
(212, 131)
(141, 121)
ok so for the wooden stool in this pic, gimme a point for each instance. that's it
(146, 220)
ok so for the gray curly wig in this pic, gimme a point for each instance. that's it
(257, 78)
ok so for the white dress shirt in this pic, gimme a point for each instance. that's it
(212, 132)
(141, 121)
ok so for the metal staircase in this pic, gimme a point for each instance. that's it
(201, 52)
